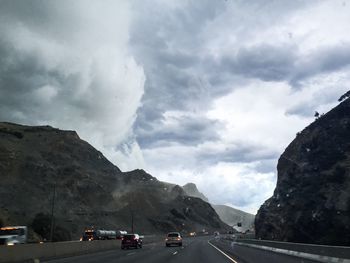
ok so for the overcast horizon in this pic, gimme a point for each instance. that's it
(209, 92)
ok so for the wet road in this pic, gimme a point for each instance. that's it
(194, 250)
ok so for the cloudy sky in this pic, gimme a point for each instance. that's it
(201, 91)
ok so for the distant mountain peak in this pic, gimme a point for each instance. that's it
(192, 190)
(233, 216)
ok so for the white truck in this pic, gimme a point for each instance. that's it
(92, 234)
(13, 235)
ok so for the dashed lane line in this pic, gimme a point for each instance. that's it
(222, 252)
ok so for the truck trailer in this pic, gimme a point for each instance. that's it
(13, 235)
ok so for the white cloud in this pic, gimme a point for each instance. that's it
(237, 184)
(255, 114)
(323, 24)
(76, 72)
(45, 94)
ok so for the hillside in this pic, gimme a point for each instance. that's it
(232, 216)
(227, 214)
(192, 190)
(311, 202)
(36, 162)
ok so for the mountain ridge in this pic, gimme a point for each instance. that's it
(39, 163)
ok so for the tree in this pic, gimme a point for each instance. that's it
(345, 96)
(42, 225)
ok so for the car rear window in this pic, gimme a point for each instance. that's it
(173, 235)
(129, 237)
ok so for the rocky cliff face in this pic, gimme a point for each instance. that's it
(311, 202)
(39, 165)
(192, 190)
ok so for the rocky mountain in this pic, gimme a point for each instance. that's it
(311, 202)
(43, 168)
(192, 190)
(227, 214)
(232, 216)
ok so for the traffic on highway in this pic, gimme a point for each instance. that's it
(199, 249)
(108, 246)
(174, 131)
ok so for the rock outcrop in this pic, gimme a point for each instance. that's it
(311, 202)
(42, 167)
(192, 190)
(227, 214)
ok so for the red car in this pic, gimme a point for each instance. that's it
(131, 240)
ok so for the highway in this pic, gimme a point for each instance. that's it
(194, 250)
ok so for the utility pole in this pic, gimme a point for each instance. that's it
(52, 212)
(132, 221)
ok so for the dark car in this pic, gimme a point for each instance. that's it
(131, 240)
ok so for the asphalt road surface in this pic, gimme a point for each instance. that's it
(194, 250)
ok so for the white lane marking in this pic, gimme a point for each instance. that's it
(131, 254)
(175, 253)
(222, 252)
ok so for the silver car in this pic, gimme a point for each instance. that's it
(173, 238)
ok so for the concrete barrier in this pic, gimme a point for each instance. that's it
(36, 252)
(329, 251)
(30, 252)
(302, 255)
(319, 253)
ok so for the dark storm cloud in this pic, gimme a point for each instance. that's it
(54, 19)
(20, 76)
(238, 153)
(186, 130)
(320, 98)
(324, 60)
(286, 63)
(66, 64)
(167, 41)
(265, 62)
(303, 110)
(194, 52)
(24, 71)
(23, 75)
